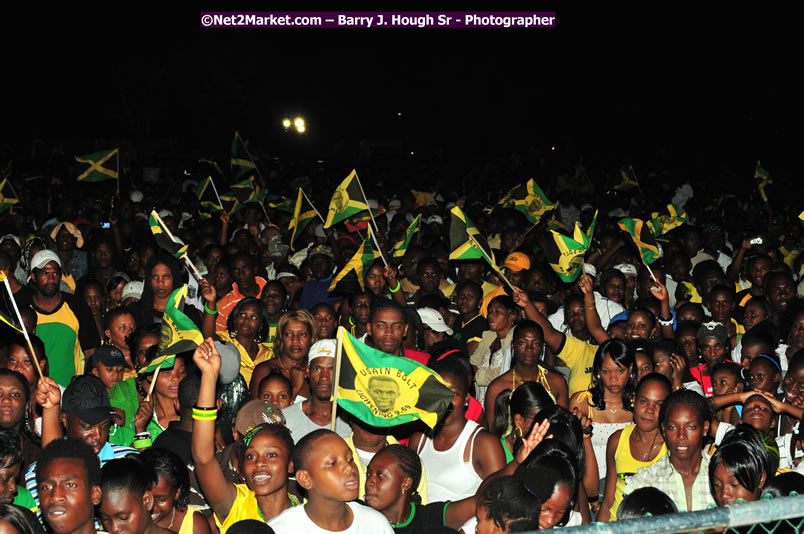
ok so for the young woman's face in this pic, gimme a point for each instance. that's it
(276, 391)
(296, 340)
(793, 386)
(124, 512)
(684, 432)
(727, 489)
(19, 360)
(647, 403)
(499, 318)
(385, 481)
(758, 413)
(555, 508)
(639, 326)
(161, 281)
(248, 321)
(485, 524)
(265, 464)
(644, 365)
(165, 494)
(167, 383)
(122, 326)
(614, 377)
(754, 313)
(662, 363)
(146, 342)
(12, 402)
(615, 290)
(93, 296)
(763, 376)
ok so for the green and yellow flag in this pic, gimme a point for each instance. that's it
(565, 253)
(642, 237)
(384, 390)
(98, 170)
(347, 200)
(7, 314)
(164, 240)
(6, 202)
(353, 273)
(241, 162)
(529, 199)
(660, 223)
(247, 191)
(764, 180)
(303, 213)
(207, 198)
(283, 204)
(464, 248)
(628, 179)
(402, 246)
(179, 333)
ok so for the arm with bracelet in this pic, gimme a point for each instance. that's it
(219, 492)
(210, 309)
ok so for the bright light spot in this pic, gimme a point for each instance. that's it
(298, 122)
(552, 148)
(411, 152)
(300, 128)
(286, 123)
(399, 114)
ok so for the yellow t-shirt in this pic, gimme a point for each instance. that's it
(244, 507)
(247, 365)
(187, 524)
(579, 357)
(627, 466)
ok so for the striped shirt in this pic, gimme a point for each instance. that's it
(663, 476)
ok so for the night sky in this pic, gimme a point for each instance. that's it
(708, 90)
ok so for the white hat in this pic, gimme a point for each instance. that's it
(433, 320)
(323, 348)
(43, 257)
(626, 268)
(434, 219)
(394, 204)
(136, 196)
(132, 289)
(589, 269)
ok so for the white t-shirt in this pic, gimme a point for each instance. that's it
(296, 521)
(300, 425)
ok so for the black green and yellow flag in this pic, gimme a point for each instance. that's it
(642, 237)
(628, 179)
(6, 202)
(764, 180)
(661, 223)
(347, 200)
(207, 198)
(99, 164)
(231, 204)
(241, 162)
(353, 273)
(464, 248)
(401, 247)
(247, 191)
(283, 204)
(384, 390)
(303, 213)
(565, 253)
(164, 240)
(7, 314)
(179, 333)
(529, 199)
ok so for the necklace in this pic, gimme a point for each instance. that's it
(293, 502)
(172, 517)
(652, 444)
(615, 410)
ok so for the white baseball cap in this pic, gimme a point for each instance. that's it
(433, 320)
(323, 348)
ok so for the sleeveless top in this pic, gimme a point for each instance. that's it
(600, 435)
(449, 478)
(627, 465)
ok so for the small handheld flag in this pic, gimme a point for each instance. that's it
(354, 272)
(347, 200)
(642, 237)
(764, 180)
(164, 239)
(464, 248)
(179, 333)
(402, 246)
(97, 172)
(528, 199)
(303, 213)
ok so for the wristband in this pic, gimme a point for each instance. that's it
(211, 312)
(205, 414)
(665, 321)
(142, 440)
(587, 430)
(398, 287)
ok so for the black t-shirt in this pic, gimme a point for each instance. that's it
(473, 329)
(428, 516)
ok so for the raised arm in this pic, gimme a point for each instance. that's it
(394, 286)
(219, 492)
(48, 396)
(210, 303)
(660, 292)
(552, 337)
(593, 323)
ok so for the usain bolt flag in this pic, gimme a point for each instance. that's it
(384, 390)
(179, 333)
(347, 200)
(642, 237)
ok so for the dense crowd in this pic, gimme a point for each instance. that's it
(633, 389)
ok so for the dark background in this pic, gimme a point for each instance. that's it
(709, 90)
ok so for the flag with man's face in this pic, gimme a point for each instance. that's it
(383, 390)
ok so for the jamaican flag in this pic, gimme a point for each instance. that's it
(97, 171)
(284, 204)
(247, 191)
(660, 224)
(7, 314)
(565, 253)
(231, 204)
(628, 179)
(207, 198)
(6, 202)
(529, 199)
(764, 180)
(347, 200)
(353, 273)
(462, 246)
(401, 247)
(302, 215)
(179, 333)
(241, 162)
(164, 239)
(384, 390)
(642, 237)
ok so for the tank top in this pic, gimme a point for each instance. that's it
(452, 479)
(627, 465)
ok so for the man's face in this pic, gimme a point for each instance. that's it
(123, 512)
(713, 351)
(780, 292)
(468, 301)
(387, 330)
(95, 436)
(8, 483)
(759, 268)
(64, 239)
(384, 393)
(162, 281)
(325, 322)
(47, 279)
(103, 255)
(67, 499)
(375, 281)
(721, 305)
(429, 278)
(320, 266)
(320, 376)
(362, 309)
(517, 278)
(470, 271)
(242, 272)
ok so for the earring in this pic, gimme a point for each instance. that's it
(519, 431)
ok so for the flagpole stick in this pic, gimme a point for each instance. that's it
(651, 272)
(220, 202)
(173, 238)
(491, 262)
(376, 228)
(153, 382)
(313, 205)
(192, 267)
(338, 355)
(376, 244)
(22, 325)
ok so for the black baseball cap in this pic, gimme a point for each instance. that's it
(110, 356)
(86, 398)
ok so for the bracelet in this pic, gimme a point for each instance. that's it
(665, 321)
(142, 440)
(205, 414)
(211, 312)
(587, 431)
(398, 287)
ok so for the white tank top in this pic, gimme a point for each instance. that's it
(452, 479)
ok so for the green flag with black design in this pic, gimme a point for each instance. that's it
(164, 239)
(383, 390)
(462, 247)
(764, 181)
(528, 199)
(642, 238)
(178, 333)
(241, 163)
(661, 223)
(565, 254)
(207, 199)
(402, 246)
(347, 200)
(628, 179)
(303, 214)
(353, 274)
(100, 166)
